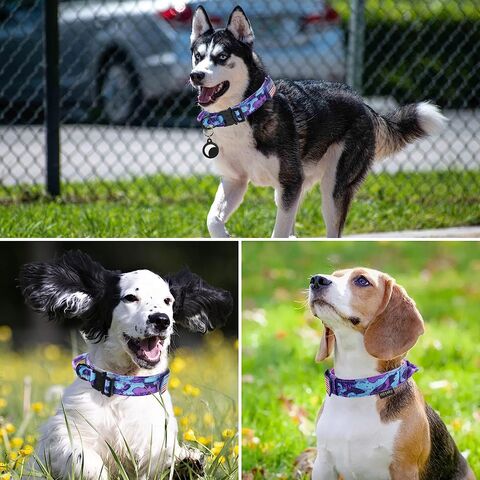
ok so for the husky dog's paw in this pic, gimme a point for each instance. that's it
(190, 465)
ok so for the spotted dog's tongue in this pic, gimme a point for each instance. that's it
(150, 347)
(206, 94)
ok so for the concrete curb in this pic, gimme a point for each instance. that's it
(454, 232)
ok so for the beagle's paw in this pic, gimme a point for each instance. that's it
(303, 464)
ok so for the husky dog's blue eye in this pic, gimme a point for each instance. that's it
(197, 56)
(361, 281)
(222, 57)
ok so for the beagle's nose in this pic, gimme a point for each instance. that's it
(317, 282)
(197, 77)
(160, 320)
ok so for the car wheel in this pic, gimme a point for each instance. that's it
(119, 91)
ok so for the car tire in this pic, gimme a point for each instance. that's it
(119, 91)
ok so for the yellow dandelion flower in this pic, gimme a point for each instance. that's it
(26, 450)
(189, 435)
(5, 333)
(5, 476)
(52, 352)
(13, 456)
(16, 442)
(191, 391)
(178, 364)
(3, 467)
(205, 440)
(235, 450)
(228, 433)
(184, 421)
(37, 407)
(208, 419)
(221, 459)
(248, 432)
(217, 448)
(174, 382)
(10, 428)
(177, 411)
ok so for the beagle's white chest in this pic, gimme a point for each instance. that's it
(352, 440)
(239, 157)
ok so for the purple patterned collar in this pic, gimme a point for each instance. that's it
(382, 385)
(240, 112)
(108, 383)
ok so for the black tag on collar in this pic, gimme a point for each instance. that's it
(386, 393)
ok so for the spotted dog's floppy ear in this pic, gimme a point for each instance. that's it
(240, 27)
(198, 306)
(72, 286)
(396, 327)
(326, 345)
(200, 24)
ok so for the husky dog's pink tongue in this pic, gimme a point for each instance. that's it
(206, 94)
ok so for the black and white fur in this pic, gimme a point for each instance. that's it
(310, 132)
(127, 321)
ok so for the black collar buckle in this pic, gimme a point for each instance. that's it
(100, 381)
(233, 116)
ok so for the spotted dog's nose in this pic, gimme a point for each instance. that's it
(317, 282)
(160, 320)
(197, 77)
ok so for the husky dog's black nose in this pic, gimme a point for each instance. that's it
(197, 77)
(160, 320)
(317, 282)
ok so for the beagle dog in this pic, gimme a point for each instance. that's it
(374, 423)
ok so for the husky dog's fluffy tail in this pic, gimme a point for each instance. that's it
(406, 124)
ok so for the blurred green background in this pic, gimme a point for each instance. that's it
(283, 387)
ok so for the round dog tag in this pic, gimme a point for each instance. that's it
(210, 149)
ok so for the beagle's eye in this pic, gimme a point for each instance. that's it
(167, 301)
(361, 281)
(130, 298)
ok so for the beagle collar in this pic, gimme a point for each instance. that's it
(382, 385)
(240, 112)
(108, 383)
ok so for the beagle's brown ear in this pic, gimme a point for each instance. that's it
(326, 345)
(396, 327)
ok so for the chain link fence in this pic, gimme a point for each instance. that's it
(127, 113)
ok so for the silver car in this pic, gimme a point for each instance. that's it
(117, 55)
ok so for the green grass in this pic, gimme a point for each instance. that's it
(280, 339)
(171, 207)
(414, 10)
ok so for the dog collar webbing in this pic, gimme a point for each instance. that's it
(108, 383)
(240, 112)
(382, 385)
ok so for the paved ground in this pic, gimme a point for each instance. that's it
(92, 151)
(454, 232)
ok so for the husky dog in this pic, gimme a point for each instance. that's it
(309, 132)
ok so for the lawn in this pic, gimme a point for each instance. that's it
(172, 207)
(283, 387)
(205, 403)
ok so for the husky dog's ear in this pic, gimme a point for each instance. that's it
(239, 26)
(198, 306)
(72, 286)
(200, 23)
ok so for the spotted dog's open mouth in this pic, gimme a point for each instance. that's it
(209, 95)
(147, 351)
